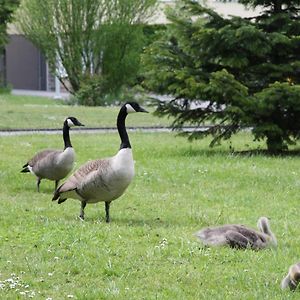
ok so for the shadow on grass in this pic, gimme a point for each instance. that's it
(151, 223)
(99, 219)
(189, 152)
(226, 152)
(264, 152)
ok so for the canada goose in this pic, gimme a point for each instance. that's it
(103, 179)
(54, 164)
(292, 279)
(239, 236)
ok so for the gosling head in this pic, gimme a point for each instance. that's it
(72, 121)
(292, 279)
(133, 107)
(264, 226)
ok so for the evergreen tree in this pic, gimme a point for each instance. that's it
(230, 73)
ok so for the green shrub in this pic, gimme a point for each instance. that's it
(93, 92)
(6, 89)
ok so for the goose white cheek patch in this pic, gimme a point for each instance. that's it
(129, 109)
(70, 123)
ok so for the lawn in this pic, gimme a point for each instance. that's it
(41, 112)
(148, 251)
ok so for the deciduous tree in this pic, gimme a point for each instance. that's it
(87, 37)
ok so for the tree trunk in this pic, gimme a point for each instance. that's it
(275, 143)
(277, 6)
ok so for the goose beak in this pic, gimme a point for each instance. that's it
(80, 124)
(143, 110)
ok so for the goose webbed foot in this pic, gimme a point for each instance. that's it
(107, 218)
(83, 205)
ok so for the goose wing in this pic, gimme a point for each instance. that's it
(82, 178)
(42, 155)
(252, 235)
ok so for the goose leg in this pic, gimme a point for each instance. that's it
(237, 240)
(38, 181)
(107, 219)
(56, 184)
(83, 205)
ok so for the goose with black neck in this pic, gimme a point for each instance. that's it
(103, 180)
(54, 164)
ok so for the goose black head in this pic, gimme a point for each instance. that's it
(132, 107)
(72, 121)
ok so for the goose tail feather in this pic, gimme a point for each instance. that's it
(25, 169)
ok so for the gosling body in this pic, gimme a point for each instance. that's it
(239, 236)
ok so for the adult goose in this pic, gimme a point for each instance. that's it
(103, 179)
(54, 164)
(239, 236)
(292, 279)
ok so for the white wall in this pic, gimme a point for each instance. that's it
(225, 9)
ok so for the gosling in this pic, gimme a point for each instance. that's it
(239, 236)
(292, 279)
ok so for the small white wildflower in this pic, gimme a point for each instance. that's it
(70, 296)
(22, 293)
(56, 258)
(50, 274)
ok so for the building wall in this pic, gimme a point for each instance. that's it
(25, 65)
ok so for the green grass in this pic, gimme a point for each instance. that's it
(40, 112)
(148, 251)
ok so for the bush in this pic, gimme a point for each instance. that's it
(95, 91)
(5, 89)
(92, 92)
